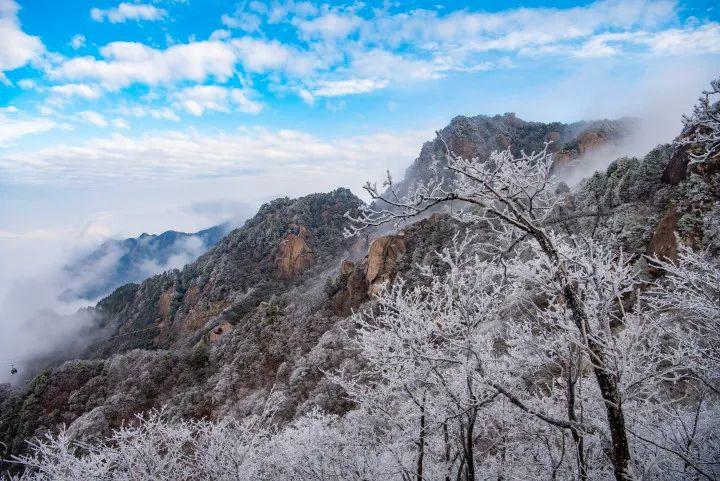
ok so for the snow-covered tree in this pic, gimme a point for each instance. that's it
(701, 132)
(687, 298)
(516, 197)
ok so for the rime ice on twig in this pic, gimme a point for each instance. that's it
(702, 127)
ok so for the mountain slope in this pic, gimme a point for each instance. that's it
(118, 262)
(286, 241)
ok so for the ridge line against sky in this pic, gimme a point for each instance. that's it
(287, 97)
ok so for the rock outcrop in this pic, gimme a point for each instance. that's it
(472, 137)
(382, 258)
(294, 253)
(590, 141)
(676, 169)
(663, 243)
(349, 290)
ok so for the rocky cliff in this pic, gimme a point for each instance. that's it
(478, 136)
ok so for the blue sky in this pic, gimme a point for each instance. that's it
(123, 117)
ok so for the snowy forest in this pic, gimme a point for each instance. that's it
(530, 347)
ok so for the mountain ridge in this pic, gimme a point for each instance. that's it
(116, 262)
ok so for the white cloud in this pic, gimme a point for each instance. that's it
(306, 96)
(338, 88)
(260, 56)
(281, 10)
(163, 113)
(128, 11)
(339, 48)
(599, 46)
(362, 54)
(16, 47)
(388, 65)
(691, 40)
(245, 21)
(220, 34)
(243, 103)
(26, 84)
(331, 25)
(14, 126)
(94, 118)
(703, 39)
(127, 63)
(77, 41)
(120, 123)
(77, 90)
(276, 160)
(467, 31)
(200, 98)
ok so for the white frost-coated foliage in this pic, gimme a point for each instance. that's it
(317, 447)
(588, 343)
(515, 198)
(688, 299)
(491, 349)
(151, 449)
(702, 127)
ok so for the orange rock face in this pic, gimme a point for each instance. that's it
(294, 254)
(463, 147)
(164, 306)
(197, 318)
(590, 141)
(219, 331)
(561, 160)
(382, 257)
(664, 241)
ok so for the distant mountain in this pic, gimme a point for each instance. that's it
(573, 146)
(118, 262)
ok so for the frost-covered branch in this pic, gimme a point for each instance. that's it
(701, 134)
(518, 190)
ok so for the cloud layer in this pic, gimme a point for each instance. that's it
(186, 154)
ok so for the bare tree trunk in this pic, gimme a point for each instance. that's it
(616, 422)
(446, 437)
(469, 436)
(461, 468)
(577, 436)
(421, 443)
(606, 379)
